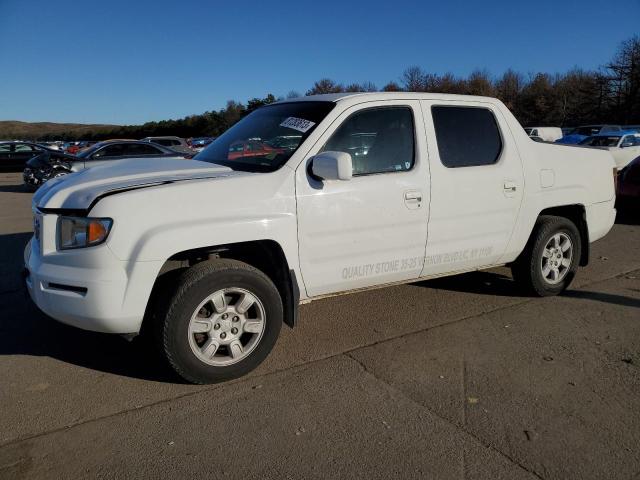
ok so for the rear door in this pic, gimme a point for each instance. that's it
(477, 185)
(372, 229)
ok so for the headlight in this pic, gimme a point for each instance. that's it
(79, 232)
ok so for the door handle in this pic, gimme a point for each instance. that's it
(413, 199)
(413, 195)
(509, 188)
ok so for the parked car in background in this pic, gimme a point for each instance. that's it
(174, 143)
(101, 153)
(200, 143)
(623, 145)
(73, 148)
(547, 134)
(578, 134)
(14, 155)
(252, 148)
(45, 166)
(628, 188)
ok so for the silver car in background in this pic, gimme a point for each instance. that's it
(174, 143)
(51, 164)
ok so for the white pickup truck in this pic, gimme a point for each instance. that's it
(304, 199)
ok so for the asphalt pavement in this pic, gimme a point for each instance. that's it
(460, 377)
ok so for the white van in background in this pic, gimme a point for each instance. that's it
(547, 134)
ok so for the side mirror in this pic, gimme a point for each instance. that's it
(332, 166)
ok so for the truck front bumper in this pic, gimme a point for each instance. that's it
(88, 288)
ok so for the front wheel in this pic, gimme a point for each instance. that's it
(549, 262)
(222, 321)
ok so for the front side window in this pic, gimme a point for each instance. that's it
(378, 139)
(263, 129)
(466, 136)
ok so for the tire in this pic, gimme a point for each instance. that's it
(201, 328)
(535, 272)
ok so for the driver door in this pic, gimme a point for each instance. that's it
(372, 229)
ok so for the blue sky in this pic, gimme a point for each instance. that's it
(129, 62)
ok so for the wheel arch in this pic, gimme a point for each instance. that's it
(577, 214)
(266, 255)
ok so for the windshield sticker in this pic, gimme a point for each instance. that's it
(299, 124)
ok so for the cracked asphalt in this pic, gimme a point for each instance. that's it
(460, 377)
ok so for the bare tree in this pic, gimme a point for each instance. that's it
(392, 87)
(325, 85)
(413, 79)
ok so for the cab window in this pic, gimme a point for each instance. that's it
(379, 140)
(466, 136)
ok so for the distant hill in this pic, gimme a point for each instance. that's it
(12, 129)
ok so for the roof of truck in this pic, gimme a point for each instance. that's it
(373, 96)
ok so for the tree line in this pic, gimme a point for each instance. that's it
(610, 94)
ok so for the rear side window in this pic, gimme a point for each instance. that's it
(135, 149)
(466, 136)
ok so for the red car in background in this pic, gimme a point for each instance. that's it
(252, 148)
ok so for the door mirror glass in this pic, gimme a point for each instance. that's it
(332, 166)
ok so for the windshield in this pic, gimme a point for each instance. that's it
(604, 141)
(265, 139)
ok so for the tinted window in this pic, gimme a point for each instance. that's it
(379, 140)
(466, 136)
(109, 151)
(6, 148)
(167, 142)
(141, 149)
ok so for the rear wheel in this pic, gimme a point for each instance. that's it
(222, 321)
(550, 259)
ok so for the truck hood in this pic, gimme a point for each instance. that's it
(80, 191)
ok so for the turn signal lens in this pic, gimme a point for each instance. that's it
(97, 232)
(79, 232)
